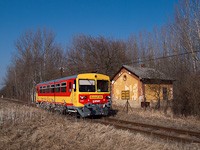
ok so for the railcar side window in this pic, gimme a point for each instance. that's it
(52, 89)
(48, 89)
(41, 89)
(102, 86)
(63, 87)
(57, 90)
(86, 85)
(70, 86)
(44, 89)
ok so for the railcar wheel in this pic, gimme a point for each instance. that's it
(78, 115)
(64, 112)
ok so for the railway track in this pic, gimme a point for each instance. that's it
(159, 131)
(18, 101)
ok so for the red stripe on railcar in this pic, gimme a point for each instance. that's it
(93, 98)
(61, 103)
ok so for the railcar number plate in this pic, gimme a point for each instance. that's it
(95, 101)
(96, 97)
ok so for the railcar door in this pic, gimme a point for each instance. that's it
(70, 91)
(74, 92)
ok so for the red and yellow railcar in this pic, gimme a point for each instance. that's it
(85, 94)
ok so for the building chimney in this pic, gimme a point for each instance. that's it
(142, 65)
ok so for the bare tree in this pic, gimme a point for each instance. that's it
(37, 59)
(88, 54)
(187, 29)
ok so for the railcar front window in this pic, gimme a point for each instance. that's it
(102, 86)
(86, 85)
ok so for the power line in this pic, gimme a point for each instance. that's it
(128, 62)
(164, 57)
(147, 60)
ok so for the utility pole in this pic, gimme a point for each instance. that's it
(61, 71)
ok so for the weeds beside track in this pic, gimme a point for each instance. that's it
(163, 132)
(18, 101)
(155, 130)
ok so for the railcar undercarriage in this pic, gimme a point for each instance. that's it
(86, 111)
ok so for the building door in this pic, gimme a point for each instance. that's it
(165, 94)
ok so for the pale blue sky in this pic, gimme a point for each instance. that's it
(110, 18)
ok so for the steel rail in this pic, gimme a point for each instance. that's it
(156, 127)
(18, 101)
(162, 132)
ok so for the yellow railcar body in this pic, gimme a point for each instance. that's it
(73, 98)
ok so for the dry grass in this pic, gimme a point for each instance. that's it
(155, 117)
(23, 127)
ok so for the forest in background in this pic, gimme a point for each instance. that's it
(173, 49)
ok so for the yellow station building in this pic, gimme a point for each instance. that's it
(143, 85)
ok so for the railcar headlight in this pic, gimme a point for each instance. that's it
(83, 97)
(108, 97)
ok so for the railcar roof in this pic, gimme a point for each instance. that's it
(56, 80)
(66, 78)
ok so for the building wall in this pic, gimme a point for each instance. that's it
(126, 81)
(155, 91)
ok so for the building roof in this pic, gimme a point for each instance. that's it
(147, 73)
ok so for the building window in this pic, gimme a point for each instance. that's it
(124, 77)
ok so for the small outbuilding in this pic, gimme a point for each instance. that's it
(145, 86)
